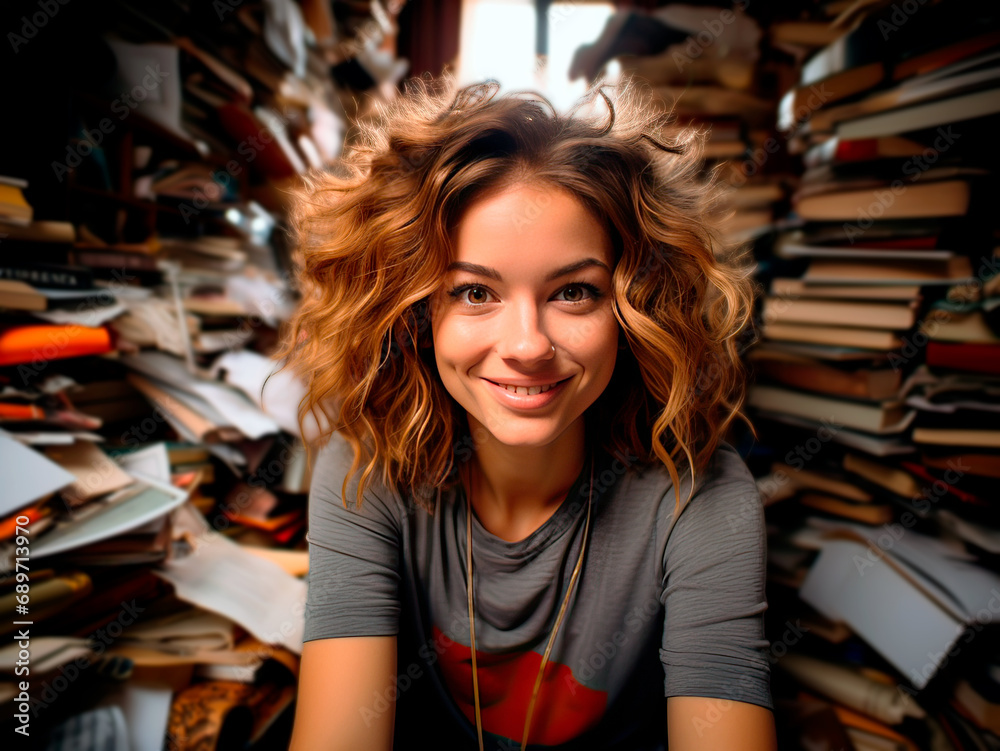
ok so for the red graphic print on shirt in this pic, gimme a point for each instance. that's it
(564, 709)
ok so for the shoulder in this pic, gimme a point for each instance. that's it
(331, 465)
(725, 500)
(725, 478)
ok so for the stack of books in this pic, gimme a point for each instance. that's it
(154, 490)
(727, 95)
(875, 382)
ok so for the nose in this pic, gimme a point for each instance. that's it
(522, 336)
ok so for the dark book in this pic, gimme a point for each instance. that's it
(979, 464)
(979, 358)
(836, 87)
(940, 57)
(47, 275)
(121, 266)
(978, 697)
(890, 33)
(881, 271)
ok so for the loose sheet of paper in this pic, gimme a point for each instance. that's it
(222, 577)
(27, 474)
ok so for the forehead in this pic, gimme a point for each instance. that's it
(530, 224)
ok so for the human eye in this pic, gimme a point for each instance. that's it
(471, 294)
(579, 292)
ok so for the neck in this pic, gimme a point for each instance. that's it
(516, 489)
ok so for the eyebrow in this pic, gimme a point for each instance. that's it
(475, 268)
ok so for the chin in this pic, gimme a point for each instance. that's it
(526, 436)
(526, 441)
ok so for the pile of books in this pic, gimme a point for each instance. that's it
(716, 81)
(153, 509)
(877, 386)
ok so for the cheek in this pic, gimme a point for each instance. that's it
(448, 336)
(594, 337)
(458, 343)
(608, 350)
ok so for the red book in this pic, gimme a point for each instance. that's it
(974, 356)
(929, 242)
(920, 471)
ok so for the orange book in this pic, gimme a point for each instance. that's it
(32, 343)
(942, 56)
(850, 718)
(863, 512)
(9, 525)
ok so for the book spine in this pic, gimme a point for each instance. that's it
(49, 276)
(116, 260)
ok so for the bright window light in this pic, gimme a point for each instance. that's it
(498, 41)
(570, 25)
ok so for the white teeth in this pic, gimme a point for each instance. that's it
(527, 390)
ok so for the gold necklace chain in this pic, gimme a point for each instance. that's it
(555, 628)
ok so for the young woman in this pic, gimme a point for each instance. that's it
(526, 529)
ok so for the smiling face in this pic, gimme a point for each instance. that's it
(525, 336)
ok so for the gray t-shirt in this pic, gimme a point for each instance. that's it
(664, 606)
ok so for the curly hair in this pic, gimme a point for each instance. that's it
(374, 238)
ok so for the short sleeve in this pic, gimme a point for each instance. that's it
(353, 581)
(714, 572)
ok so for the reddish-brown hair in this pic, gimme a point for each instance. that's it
(374, 239)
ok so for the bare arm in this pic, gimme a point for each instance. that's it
(696, 723)
(344, 697)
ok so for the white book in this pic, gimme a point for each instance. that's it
(928, 115)
(903, 593)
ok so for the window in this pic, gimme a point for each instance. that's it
(499, 40)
